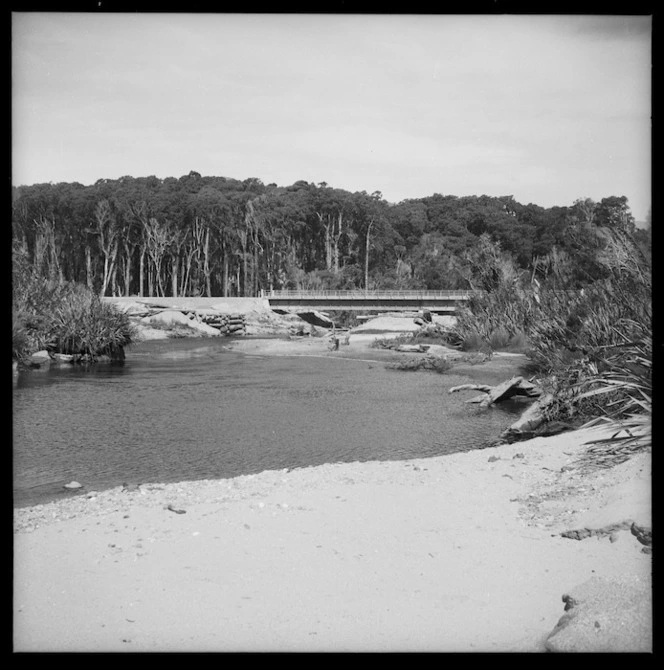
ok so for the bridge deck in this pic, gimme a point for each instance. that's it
(434, 301)
(357, 294)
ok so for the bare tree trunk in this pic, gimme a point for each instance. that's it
(270, 269)
(127, 268)
(206, 262)
(114, 278)
(88, 267)
(337, 237)
(366, 259)
(328, 241)
(141, 274)
(38, 253)
(245, 270)
(160, 285)
(254, 283)
(104, 282)
(174, 276)
(225, 271)
(184, 287)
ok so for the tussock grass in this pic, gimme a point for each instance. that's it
(499, 339)
(591, 347)
(63, 317)
(475, 342)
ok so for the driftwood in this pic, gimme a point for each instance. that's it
(471, 387)
(413, 348)
(494, 394)
(530, 420)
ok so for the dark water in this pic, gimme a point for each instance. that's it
(182, 410)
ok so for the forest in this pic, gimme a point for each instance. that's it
(569, 286)
(217, 236)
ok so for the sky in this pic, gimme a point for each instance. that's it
(548, 109)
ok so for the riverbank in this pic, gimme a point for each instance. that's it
(455, 553)
(458, 553)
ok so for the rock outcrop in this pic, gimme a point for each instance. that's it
(606, 615)
(172, 318)
(40, 359)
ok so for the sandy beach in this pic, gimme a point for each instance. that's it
(460, 553)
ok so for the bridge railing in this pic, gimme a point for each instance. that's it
(369, 295)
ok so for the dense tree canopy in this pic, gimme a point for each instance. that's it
(218, 236)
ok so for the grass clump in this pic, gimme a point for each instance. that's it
(590, 346)
(474, 342)
(63, 317)
(499, 339)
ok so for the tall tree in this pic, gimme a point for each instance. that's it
(107, 233)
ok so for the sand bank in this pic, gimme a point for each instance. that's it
(454, 553)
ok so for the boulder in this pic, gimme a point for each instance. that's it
(172, 317)
(40, 358)
(168, 317)
(63, 358)
(73, 485)
(606, 616)
(642, 534)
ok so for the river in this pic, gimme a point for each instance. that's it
(192, 409)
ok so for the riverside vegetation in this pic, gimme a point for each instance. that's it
(49, 314)
(589, 347)
(569, 286)
(588, 344)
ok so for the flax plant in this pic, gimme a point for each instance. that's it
(62, 317)
(591, 347)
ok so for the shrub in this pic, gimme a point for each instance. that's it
(431, 334)
(63, 317)
(475, 358)
(391, 342)
(591, 345)
(20, 338)
(83, 324)
(599, 351)
(499, 339)
(518, 343)
(474, 342)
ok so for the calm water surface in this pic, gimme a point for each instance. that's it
(185, 409)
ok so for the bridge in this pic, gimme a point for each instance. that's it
(441, 302)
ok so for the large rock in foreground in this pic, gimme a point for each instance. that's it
(606, 615)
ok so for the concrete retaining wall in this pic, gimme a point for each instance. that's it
(220, 305)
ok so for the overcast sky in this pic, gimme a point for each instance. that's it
(547, 109)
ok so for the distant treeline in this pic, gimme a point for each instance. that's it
(216, 236)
